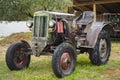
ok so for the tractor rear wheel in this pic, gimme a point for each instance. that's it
(64, 60)
(16, 59)
(101, 52)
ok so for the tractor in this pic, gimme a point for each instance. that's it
(114, 19)
(63, 36)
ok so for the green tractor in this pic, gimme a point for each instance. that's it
(64, 37)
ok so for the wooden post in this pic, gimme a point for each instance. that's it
(94, 10)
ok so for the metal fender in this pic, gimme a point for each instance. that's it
(25, 42)
(93, 33)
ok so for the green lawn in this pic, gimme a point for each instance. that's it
(40, 68)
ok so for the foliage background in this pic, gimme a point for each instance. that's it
(17, 10)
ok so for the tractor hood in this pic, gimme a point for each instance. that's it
(41, 26)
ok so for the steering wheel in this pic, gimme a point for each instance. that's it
(78, 9)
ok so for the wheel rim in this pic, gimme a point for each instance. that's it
(20, 58)
(66, 62)
(103, 48)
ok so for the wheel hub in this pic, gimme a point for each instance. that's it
(103, 48)
(66, 61)
(20, 57)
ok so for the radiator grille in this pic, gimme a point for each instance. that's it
(40, 26)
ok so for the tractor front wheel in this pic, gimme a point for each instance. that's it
(16, 59)
(64, 60)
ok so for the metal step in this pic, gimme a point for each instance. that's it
(83, 35)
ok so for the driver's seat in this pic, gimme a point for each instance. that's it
(86, 18)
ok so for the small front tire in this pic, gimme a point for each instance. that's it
(16, 59)
(64, 60)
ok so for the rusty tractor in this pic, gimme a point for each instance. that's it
(64, 36)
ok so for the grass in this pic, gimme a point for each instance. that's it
(40, 68)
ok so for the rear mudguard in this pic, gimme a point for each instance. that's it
(94, 32)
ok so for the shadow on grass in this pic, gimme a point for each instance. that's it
(46, 64)
(41, 65)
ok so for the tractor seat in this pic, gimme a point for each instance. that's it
(86, 18)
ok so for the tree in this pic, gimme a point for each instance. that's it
(16, 10)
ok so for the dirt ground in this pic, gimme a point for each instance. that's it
(112, 73)
(115, 56)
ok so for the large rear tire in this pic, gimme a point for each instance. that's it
(100, 53)
(64, 60)
(16, 59)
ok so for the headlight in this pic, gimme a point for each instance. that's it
(52, 23)
(29, 24)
